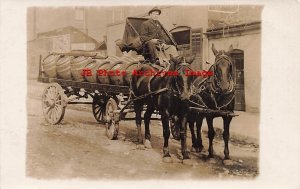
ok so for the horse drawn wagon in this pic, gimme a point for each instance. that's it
(89, 75)
(78, 74)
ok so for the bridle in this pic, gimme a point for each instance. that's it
(214, 82)
(211, 86)
(177, 92)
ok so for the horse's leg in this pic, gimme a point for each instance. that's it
(147, 117)
(138, 108)
(194, 140)
(199, 121)
(184, 151)
(166, 134)
(211, 135)
(226, 120)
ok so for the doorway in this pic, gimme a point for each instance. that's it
(238, 68)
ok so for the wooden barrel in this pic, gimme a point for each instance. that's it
(128, 59)
(105, 66)
(63, 67)
(103, 70)
(129, 67)
(49, 65)
(116, 68)
(94, 66)
(77, 65)
(113, 58)
(140, 58)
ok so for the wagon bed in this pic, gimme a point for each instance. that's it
(109, 89)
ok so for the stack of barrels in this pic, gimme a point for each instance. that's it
(112, 70)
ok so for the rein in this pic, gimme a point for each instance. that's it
(178, 93)
(209, 87)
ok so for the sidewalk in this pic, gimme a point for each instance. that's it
(243, 127)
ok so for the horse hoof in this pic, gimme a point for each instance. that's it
(200, 149)
(188, 162)
(140, 147)
(193, 149)
(227, 162)
(212, 161)
(177, 160)
(167, 159)
(148, 144)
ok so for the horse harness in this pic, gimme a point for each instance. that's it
(208, 87)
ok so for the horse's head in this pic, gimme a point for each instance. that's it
(182, 83)
(223, 71)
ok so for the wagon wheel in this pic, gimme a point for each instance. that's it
(99, 108)
(112, 122)
(175, 129)
(54, 103)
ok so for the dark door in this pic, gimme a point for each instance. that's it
(238, 62)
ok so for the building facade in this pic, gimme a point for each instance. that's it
(239, 26)
(222, 25)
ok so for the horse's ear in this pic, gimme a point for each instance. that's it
(171, 57)
(190, 59)
(214, 49)
(230, 48)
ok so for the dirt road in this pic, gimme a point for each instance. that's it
(78, 148)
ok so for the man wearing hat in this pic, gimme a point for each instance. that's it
(152, 33)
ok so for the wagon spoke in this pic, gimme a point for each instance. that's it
(48, 96)
(57, 96)
(47, 100)
(58, 102)
(59, 109)
(56, 91)
(55, 113)
(102, 116)
(53, 92)
(48, 108)
(99, 115)
(55, 116)
(49, 114)
(58, 106)
(52, 114)
(50, 92)
(96, 106)
(97, 111)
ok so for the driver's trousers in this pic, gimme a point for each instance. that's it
(152, 51)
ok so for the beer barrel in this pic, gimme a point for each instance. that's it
(49, 65)
(77, 65)
(94, 66)
(63, 67)
(116, 70)
(129, 67)
(101, 76)
(140, 58)
(113, 58)
(127, 59)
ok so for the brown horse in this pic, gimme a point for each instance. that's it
(217, 93)
(169, 95)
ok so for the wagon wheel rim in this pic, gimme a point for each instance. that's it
(98, 110)
(175, 130)
(112, 127)
(53, 103)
